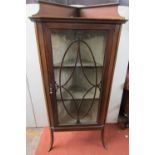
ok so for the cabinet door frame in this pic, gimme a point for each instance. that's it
(44, 42)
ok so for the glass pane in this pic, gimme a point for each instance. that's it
(68, 113)
(78, 57)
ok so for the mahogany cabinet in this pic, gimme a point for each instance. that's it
(77, 49)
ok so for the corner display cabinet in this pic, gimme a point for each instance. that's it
(77, 49)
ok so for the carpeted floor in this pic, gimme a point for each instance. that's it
(85, 142)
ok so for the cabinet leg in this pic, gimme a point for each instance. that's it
(51, 140)
(103, 138)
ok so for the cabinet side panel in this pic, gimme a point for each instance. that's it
(44, 71)
(110, 58)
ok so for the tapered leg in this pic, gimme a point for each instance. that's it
(51, 140)
(102, 138)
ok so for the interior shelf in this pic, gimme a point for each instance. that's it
(71, 65)
(77, 93)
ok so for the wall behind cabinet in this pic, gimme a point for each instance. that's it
(33, 71)
(120, 69)
(30, 116)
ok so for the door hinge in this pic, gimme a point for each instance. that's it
(50, 89)
(100, 85)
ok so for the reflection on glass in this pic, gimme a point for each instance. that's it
(78, 60)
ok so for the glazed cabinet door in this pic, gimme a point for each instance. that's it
(77, 60)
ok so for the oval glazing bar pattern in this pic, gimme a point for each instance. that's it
(78, 59)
